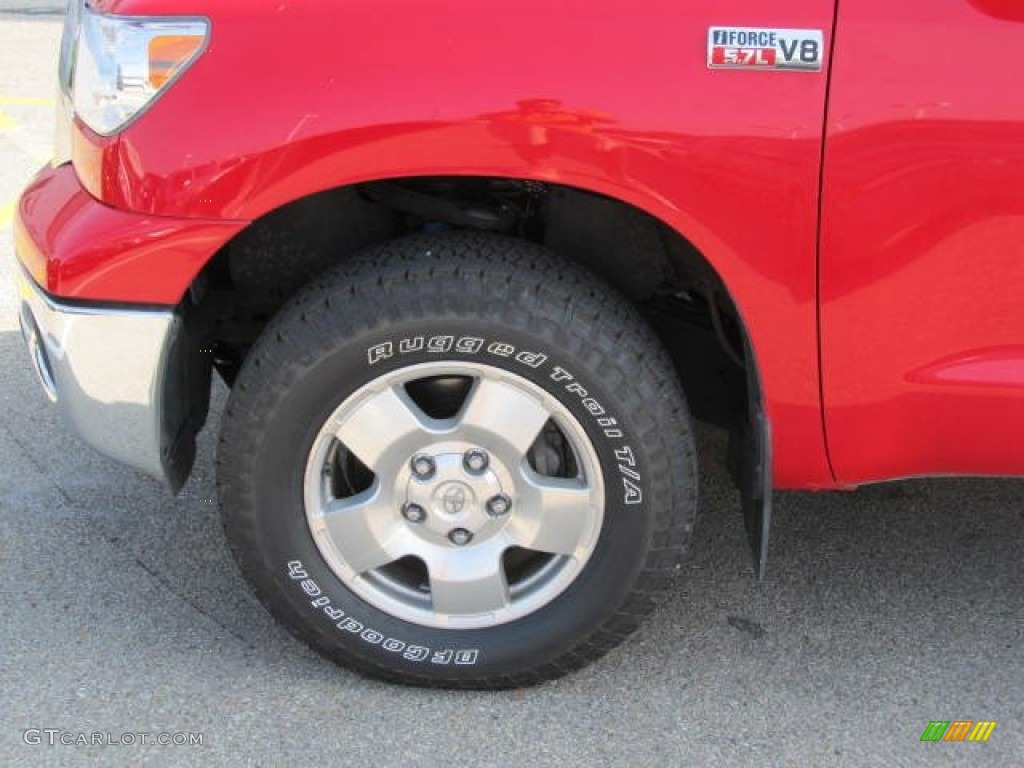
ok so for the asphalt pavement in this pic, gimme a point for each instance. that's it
(123, 613)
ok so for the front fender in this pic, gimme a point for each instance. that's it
(292, 99)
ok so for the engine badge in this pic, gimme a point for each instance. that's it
(800, 50)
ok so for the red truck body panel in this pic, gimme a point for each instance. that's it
(921, 228)
(922, 265)
(560, 92)
(81, 249)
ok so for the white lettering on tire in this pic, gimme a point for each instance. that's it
(632, 485)
(299, 575)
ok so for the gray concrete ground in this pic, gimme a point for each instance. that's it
(123, 612)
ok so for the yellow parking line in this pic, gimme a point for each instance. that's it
(28, 101)
(7, 214)
(8, 123)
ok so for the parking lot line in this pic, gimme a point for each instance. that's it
(28, 101)
(7, 213)
(9, 123)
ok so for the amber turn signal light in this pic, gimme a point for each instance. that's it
(168, 54)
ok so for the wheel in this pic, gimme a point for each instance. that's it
(458, 461)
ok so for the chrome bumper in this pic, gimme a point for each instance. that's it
(104, 368)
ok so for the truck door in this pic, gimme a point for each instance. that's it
(922, 240)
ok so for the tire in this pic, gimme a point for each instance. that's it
(446, 383)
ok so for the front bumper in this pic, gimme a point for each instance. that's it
(114, 338)
(104, 368)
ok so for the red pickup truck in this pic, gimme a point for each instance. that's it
(470, 270)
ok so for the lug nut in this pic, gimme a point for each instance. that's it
(498, 505)
(460, 537)
(414, 513)
(423, 466)
(475, 461)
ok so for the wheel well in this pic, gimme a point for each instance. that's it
(664, 275)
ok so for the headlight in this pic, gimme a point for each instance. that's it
(117, 65)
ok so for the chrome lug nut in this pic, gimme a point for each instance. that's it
(423, 466)
(475, 461)
(414, 513)
(460, 537)
(499, 505)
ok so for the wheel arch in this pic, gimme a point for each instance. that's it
(636, 252)
(341, 220)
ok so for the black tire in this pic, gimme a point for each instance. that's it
(314, 354)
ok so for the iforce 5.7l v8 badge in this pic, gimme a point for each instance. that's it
(756, 48)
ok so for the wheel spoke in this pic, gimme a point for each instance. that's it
(469, 581)
(555, 515)
(365, 531)
(384, 428)
(497, 414)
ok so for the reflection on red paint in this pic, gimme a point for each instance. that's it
(1002, 367)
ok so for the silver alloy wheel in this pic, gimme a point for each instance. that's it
(455, 521)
